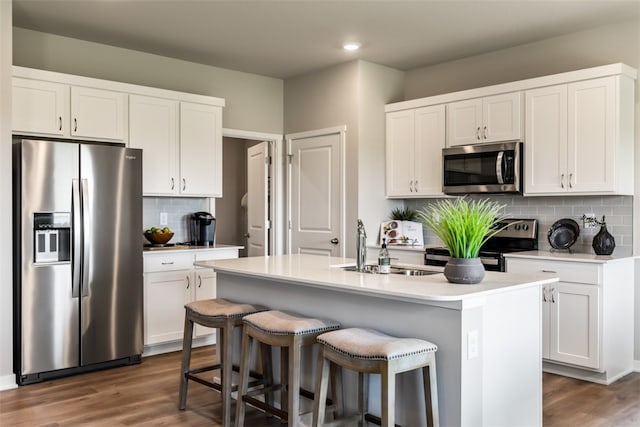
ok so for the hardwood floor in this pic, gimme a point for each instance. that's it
(147, 394)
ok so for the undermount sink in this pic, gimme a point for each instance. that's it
(405, 271)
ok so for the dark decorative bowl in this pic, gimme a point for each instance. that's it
(563, 233)
(158, 238)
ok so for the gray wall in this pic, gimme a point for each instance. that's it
(6, 323)
(254, 102)
(351, 94)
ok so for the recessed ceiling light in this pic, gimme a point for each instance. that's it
(351, 46)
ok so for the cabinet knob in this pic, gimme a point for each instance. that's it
(188, 282)
(184, 184)
(562, 180)
(484, 133)
(172, 183)
(59, 122)
(199, 281)
(570, 179)
(75, 124)
(478, 133)
(335, 241)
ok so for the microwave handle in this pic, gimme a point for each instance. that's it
(499, 171)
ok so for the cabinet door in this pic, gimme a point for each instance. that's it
(200, 150)
(399, 153)
(98, 114)
(429, 142)
(153, 126)
(165, 296)
(545, 144)
(546, 299)
(205, 288)
(502, 117)
(40, 108)
(464, 122)
(574, 324)
(592, 135)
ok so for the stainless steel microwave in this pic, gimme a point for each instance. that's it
(483, 168)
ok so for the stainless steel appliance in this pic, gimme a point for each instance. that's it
(518, 235)
(77, 257)
(483, 168)
(203, 229)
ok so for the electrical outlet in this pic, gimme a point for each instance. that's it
(589, 221)
(163, 218)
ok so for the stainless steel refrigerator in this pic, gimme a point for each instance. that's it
(77, 257)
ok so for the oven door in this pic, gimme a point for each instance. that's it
(483, 168)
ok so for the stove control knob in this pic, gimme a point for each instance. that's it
(517, 226)
(525, 227)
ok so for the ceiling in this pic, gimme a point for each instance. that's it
(283, 39)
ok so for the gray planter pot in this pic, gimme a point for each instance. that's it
(466, 271)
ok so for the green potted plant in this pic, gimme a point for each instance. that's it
(463, 226)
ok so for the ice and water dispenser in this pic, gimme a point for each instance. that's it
(51, 237)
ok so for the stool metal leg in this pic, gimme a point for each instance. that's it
(320, 392)
(186, 361)
(294, 382)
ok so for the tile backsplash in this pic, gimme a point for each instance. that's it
(178, 210)
(618, 211)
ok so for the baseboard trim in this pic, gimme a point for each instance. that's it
(636, 366)
(7, 382)
(168, 347)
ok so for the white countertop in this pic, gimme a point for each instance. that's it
(566, 256)
(183, 248)
(319, 271)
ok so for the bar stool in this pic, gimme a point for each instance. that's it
(367, 351)
(225, 316)
(290, 332)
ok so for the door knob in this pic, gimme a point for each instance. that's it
(335, 241)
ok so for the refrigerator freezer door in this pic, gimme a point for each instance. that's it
(111, 302)
(49, 326)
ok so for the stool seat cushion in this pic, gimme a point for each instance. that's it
(282, 323)
(222, 308)
(374, 345)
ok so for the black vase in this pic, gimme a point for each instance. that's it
(603, 242)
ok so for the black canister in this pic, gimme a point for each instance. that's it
(603, 242)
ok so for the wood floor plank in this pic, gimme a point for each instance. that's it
(147, 395)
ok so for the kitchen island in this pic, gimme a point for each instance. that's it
(488, 335)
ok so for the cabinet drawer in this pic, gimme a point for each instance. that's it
(577, 272)
(168, 262)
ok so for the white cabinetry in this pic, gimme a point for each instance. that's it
(44, 108)
(200, 150)
(587, 319)
(40, 108)
(170, 282)
(182, 145)
(488, 119)
(414, 143)
(579, 138)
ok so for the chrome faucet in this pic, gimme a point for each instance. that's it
(361, 247)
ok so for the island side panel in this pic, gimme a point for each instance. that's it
(511, 355)
(441, 326)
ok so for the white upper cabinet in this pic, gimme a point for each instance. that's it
(487, 119)
(200, 150)
(579, 138)
(40, 108)
(98, 113)
(414, 142)
(153, 127)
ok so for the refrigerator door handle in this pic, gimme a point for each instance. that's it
(86, 237)
(76, 266)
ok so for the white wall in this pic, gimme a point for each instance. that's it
(253, 102)
(7, 379)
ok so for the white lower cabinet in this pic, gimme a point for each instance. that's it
(170, 282)
(587, 317)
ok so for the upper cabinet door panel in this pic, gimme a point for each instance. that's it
(429, 142)
(98, 114)
(153, 127)
(40, 108)
(200, 150)
(464, 122)
(399, 153)
(546, 140)
(502, 117)
(592, 142)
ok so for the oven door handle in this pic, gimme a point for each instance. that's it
(499, 168)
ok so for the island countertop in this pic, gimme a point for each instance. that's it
(320, 271)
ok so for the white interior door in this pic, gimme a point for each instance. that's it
(257, 204)
(316, 192)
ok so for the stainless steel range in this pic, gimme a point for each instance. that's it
(518, 235)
